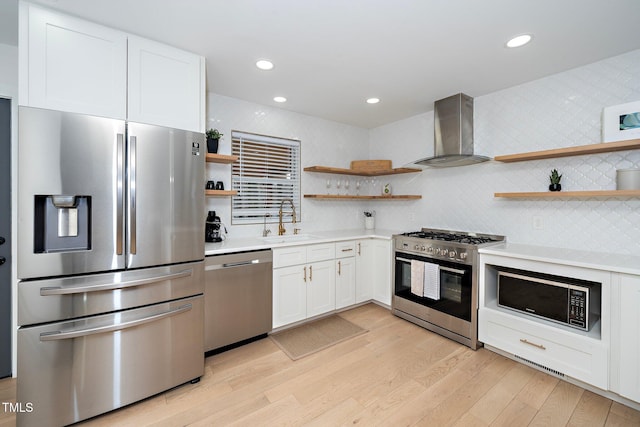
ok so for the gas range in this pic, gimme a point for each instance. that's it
(450, 245)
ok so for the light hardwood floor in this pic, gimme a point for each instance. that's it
(397, 374)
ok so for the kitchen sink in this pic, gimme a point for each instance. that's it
(289, 238)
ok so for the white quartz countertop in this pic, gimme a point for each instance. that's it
(231, 244)
(619, 263)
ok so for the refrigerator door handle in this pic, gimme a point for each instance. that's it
(59, 335)
(120, 194)
(57, 290)
(133, 152)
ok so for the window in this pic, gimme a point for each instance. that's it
(267, 173)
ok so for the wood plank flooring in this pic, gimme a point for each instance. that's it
(397, 374)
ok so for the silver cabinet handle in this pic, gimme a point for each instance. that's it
(58, 290)
(58, 335)
(339, 268)
(540, 346)
(358, 248)
(119, 193)
(133, 154)
(310, 273)
(347, 250)
(305, 273)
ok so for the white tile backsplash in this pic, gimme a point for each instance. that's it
(557, 111)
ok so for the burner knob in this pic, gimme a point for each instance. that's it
(416, 247)
(422, 248)
(452, 254)
(463, 255)
(438, 251)
(430, 249)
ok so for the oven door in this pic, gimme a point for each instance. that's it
(455, 285)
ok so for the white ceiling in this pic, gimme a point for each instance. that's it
(330, 55)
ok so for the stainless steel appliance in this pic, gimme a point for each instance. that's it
(452, 134)
(572, 302)
(238, 297)
(451, 309)
(110, 302)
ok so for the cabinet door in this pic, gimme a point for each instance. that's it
(166, 86)
(345, 282)
(69, 64)
(382, 271)
(289, 295)
(364, 270)
(629, 345)
(321, 288)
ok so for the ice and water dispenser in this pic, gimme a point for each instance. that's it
(62, 223)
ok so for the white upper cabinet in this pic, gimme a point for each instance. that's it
(71, 65)
(166, 85)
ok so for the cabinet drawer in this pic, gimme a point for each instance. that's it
(287, 256)
(579, 357)
(345, 249)
(321, 252)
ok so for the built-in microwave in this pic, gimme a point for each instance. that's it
(573, 302)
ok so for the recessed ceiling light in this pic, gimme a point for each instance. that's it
(520, 40)
(264, 64)
(280, 99)
(373, 100)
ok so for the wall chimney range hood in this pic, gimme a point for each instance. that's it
(453, 134)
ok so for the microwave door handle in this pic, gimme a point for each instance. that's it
(57, 290)
(58, 335)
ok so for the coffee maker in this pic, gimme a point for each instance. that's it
(213, 228)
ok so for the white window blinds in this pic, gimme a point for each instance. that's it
(266, 173)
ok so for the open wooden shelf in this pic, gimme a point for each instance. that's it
(356, 197)
(224, 159)
(360, 172)
(569, 194)
(220, 193)
(607, 147)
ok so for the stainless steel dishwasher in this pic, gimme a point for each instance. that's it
(237, 296)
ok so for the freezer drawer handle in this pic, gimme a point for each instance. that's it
(57, 290)
(58, 335)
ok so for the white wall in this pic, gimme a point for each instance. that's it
(9, 89)
(557, 111)
(322, 143)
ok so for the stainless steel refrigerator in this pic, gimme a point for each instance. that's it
(110, 262)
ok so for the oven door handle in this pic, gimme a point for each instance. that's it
(59, 335)
(453, 270)
(403, 259)
(57, 290)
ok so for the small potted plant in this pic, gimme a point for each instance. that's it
(213, 137)
(555, 181)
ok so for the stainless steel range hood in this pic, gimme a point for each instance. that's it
(453, 134)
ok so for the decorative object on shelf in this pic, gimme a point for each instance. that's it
(219, 185)
(555, 181)
(213, 138)
(386, 189)
(211, 185)
(369, 220)
(628, 179)
(621, 122)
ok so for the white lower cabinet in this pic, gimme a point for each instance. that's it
(364, 270)
(303, 282)
(345, 282)
(625, 346)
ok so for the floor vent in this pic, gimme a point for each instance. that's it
(537, 365)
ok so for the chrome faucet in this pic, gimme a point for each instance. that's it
(281, 229)
(265, 232)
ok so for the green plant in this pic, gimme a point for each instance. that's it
(555, 177)
(213, 134)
